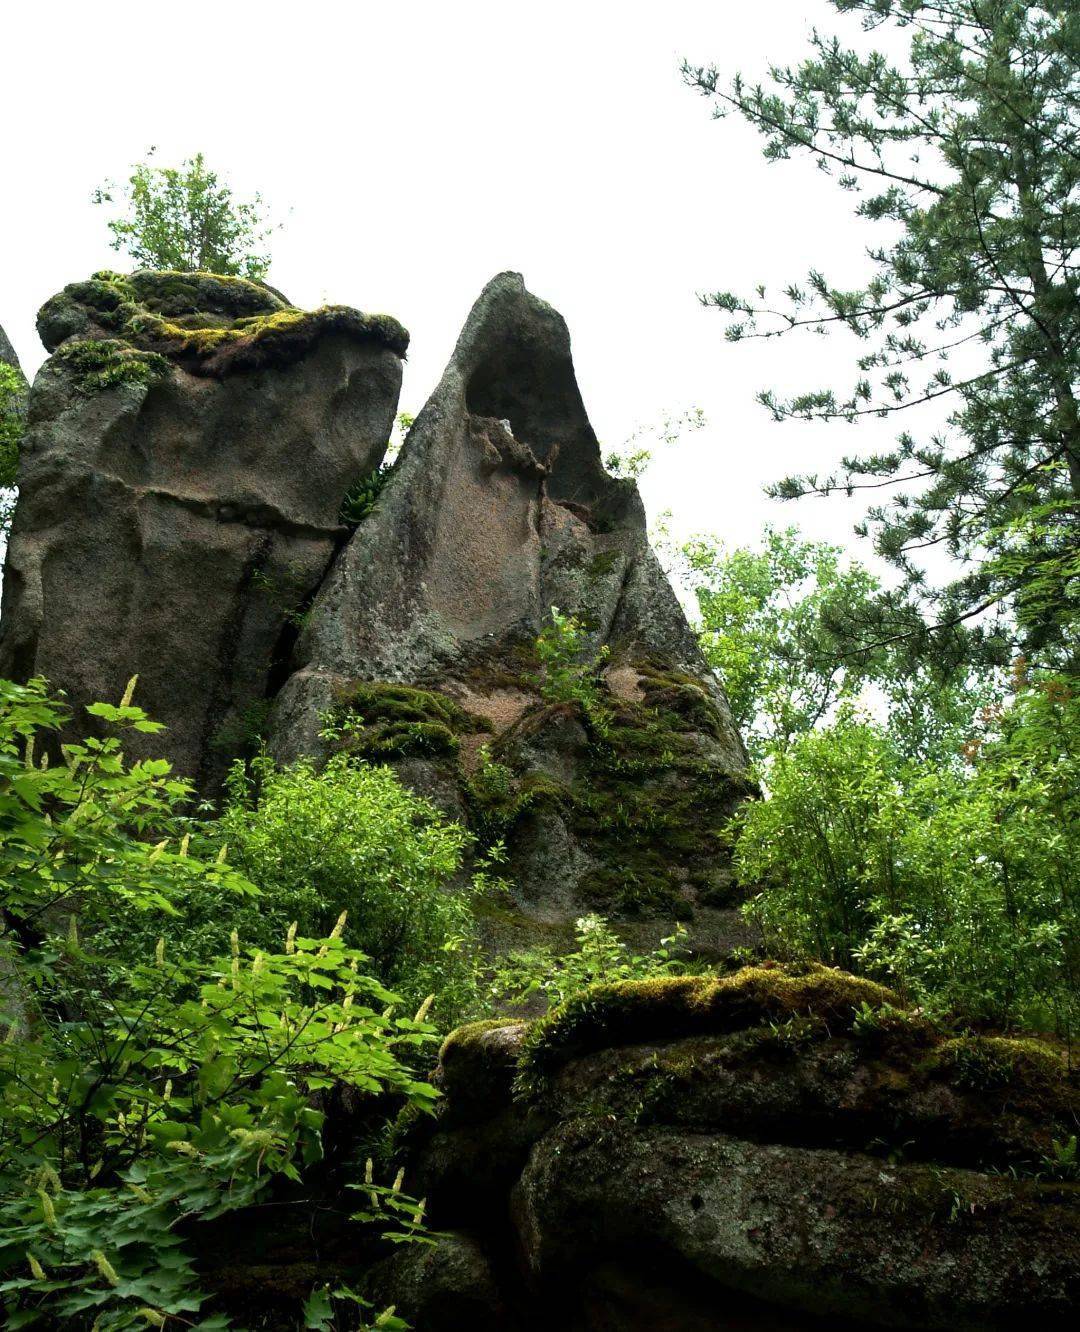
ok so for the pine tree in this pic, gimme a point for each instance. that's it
(971, 145)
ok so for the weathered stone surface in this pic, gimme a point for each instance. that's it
(178, 511)
(7, 351)
(498, 509)
(763, 1150)
(819, 1230)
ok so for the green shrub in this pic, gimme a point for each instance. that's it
(351, 838)
(600, 957)
(12, 421)
(140, 1088)
(960, 887)
(567, 669)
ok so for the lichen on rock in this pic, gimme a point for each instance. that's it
(208, 323)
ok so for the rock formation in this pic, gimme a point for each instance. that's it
(765, 1147)
(190, 443)
(422, 642)
(201, 504)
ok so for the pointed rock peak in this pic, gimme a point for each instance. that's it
(513, 364)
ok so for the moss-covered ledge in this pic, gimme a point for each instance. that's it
(806, 1055)
(672, 1007)
(380, 720)
(209, 324)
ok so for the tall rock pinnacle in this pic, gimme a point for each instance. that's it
(421, 643)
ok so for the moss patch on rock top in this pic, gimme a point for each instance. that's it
(210, 324)
(986, 1063)
(673, 1007)
(98, 364)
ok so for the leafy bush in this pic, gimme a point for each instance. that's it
(12, 428)
(789, 629)
(182, 218)
(12, 396)
(139, 1090)
(961, 887)
(600, 957)
(567, 668)
(351, 837)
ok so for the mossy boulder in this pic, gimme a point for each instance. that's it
(208, 323)
(189, 445)
(477, 1064)
(789, 1141)
(443, 1286)
(677, 1006)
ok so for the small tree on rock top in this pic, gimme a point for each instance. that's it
(184, 219)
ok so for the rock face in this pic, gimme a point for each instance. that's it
(7, 351)
(190, 444)
(759, 1150)
(422, 642)
(201, 506)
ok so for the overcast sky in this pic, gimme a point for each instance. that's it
(415, 148)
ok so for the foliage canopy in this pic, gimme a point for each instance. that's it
(141, 1091)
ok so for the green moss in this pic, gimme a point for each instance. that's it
(679, 700)
(211, 324)
(653, 811)
(603, 563)
(513, 665)
(465, 1039)
(377, 720)
(101, 364)
(177, 294)
(632, 1012)
(985, 1063)
(497, 801)
(647, 803)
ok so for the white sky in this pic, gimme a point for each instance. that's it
(423, 147)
